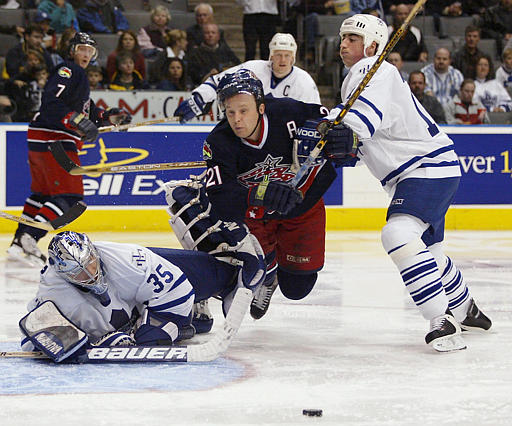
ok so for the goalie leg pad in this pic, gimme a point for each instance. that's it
(155, 329)
(52, 333)
(295, 286)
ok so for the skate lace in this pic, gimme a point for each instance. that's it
(437, 322)
(264, 296)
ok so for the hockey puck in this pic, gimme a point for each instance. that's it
(312, 413)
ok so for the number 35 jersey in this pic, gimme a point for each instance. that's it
(136, 278)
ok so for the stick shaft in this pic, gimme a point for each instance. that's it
(357, 92)
(132, 125)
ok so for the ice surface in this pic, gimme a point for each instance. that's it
(353, 348)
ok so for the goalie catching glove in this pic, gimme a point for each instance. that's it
(341, 145)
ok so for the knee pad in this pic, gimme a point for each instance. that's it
(400, 230)
(296, 286)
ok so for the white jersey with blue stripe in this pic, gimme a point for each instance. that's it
(137, 279)
(297, 85)
(399, 138)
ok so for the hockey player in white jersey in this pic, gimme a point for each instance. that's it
(280, 78)
(125, 294)
(416, 164)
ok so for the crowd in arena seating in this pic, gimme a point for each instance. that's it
(442, 70)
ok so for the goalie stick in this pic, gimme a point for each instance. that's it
(204, 352)
(355, 95)
(74, 169)
(69, 216)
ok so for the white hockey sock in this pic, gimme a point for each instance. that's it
(456, 290)
(422, 279)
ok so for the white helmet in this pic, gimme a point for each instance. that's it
(369, 27)
(283, 41)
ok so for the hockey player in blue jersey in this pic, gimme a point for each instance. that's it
(67, 114)
(416, 164)
(110, 294)
(250, 158)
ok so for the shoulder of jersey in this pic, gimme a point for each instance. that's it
(68, 69)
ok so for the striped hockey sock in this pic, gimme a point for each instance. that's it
(456, 290)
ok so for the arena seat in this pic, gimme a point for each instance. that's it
(12, 17)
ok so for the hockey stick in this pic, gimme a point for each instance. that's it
(382, 57)
(69, 216)
(74, 169)
(131, 125)
(204, 352)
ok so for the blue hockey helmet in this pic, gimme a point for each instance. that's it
(240, 81)
(73, 256)
(83, 39)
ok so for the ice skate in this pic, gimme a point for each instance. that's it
(261, 300)
(202, 319)
(24, 248)
(475, 319)
(445, 334)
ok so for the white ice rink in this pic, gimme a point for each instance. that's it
(353, 348)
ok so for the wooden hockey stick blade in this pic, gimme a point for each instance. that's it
(122, 127)
(355, 94)
(204, 352)
(74, 169)
(69, 216)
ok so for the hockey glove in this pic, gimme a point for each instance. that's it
(116, 116)
(275, 196)
(114, 338)
(190, 108)
(342, 145)
(85, 126)
(307, 138)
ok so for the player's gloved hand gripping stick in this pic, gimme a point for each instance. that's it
(324, 129)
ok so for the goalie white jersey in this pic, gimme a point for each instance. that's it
(137, 278)
(399, 138)
(297, 85)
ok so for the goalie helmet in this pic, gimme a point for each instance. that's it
(74, 257)
(371, 28)
(283, 41)
(83, 39)
(241, 81)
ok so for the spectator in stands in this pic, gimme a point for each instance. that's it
(7, 109)
(175, 76)
(127, 43)
(395, 59)
(504, 72)
(259, 25)
(61, 14)
(151, 38)
(63, 43)
(176, 47)
(490, 91)
(443, 80)
(50, 36)
(102, 16)
(430, 103)
(126, 77)
(204, 15)
(211, 57)
(95, 77)
(16, 58)
(496, 23)
(411, 46)
(467, 56)
(463, 108)
(26, 88)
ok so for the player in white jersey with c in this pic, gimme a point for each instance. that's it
(279, 76)
(416, 164)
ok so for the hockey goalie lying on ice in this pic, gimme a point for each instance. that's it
(108, 294)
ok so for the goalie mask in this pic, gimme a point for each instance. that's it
(74, 257)
(371, 28)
